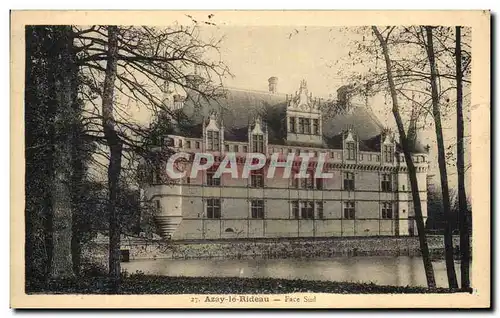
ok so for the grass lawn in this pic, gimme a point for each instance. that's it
(150, 284)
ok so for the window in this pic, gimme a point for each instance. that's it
(301, 125)
(308, 183)
(227, 147)
(257, 207)
(349, 181)
(307, 126)
(387, 210)
(213, 208)
(257, 178)
(307, 210)
(304, 183)
(211, 181)
(319, 209)
(188, 144)
(316, 126)
(319, 184)
(361, 157)
(386, 183)
(388, 153)
(180, 143)
(292, 124)
(188, 180)
(170, 142)
(339, 155)
(349, 210)
(236, 148)
(197, 145)
(351, 151)
(245, 149)
(157, 204)
(213, 140)
(258, 143)
(295, 209)
(378, 158)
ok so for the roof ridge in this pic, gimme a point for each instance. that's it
(253, 91)
(325, 98)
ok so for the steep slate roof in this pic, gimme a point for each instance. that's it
(240, 107)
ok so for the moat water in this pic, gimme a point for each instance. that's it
(381, 270)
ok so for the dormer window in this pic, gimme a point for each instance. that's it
(258, 143)
(388, 153)
(213, 140)
(351, 151)
(316, 126)
(301, 125)
(292, 124)
(304, 117)
(307, 126)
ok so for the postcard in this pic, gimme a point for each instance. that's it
(250, 159)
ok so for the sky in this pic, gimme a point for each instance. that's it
(254, 54)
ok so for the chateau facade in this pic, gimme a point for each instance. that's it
(369, 194)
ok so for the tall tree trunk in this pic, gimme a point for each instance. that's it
(77, 195)
(115, 147)
(429, 272)
(47, 218)
(61, 194)
(39, 116)
(78, 164)
(30, 102)
(448, 239)
(462, 198)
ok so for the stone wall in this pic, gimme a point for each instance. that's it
(266, 248)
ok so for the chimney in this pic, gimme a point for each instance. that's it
(194, 81)
(345, 93)
(273, 84)
(178, 101)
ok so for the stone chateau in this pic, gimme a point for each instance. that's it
(369, 194)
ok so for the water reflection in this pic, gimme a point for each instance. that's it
(383, 270)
